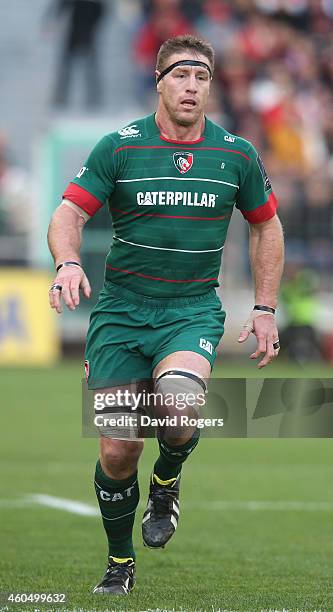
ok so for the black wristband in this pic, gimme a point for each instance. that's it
(264, 308)
(68, 263)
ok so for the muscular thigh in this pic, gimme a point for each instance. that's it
(113, 346)
(184, 360)
(188, 335)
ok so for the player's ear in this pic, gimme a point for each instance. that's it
(157, 74)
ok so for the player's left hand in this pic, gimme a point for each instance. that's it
(265, 330)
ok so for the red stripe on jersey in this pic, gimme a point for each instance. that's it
(124, 212)
(193, 149)
(157, 278)
(262, 213)
(82, 198)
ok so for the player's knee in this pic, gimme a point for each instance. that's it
(182, 394)
(183, 389)
(120, 457)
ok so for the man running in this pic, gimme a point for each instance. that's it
(171, 181)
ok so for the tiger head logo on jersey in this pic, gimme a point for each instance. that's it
(183, 161)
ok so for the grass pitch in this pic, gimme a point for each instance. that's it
(272, 554)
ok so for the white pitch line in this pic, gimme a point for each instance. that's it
(276, 506)
(84, 509)
(68, 505)
(16, 503)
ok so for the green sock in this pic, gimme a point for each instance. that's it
(171, 459)
(118, 500)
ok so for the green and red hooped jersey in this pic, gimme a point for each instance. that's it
(171, 203)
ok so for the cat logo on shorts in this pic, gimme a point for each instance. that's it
(183, 161)
(206, 345)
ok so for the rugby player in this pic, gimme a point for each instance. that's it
(171, 181)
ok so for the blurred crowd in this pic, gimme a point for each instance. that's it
(274, 86)
(15, 209)
(79, 46)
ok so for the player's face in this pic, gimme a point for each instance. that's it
(184, 91)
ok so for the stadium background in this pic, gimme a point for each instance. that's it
(273, 85)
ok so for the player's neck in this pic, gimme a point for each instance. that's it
(172, 131)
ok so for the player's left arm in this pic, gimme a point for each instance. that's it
(257, 202)
(266, 258)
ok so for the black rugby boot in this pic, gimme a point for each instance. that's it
(161, 516)
(119, 578)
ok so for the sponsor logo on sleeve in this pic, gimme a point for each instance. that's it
(130, 131)
(81, 172)
(230, 138)
(183, 161)
(264, 175)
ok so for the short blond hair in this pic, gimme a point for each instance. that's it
(184, 43)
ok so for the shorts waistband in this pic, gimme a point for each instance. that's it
(146, 300)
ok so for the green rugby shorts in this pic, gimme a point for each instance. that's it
(129, 333)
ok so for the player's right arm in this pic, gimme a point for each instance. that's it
(84, 196)
(64, 239)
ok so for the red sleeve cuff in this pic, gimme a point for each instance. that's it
(82, 198)
(262, 213)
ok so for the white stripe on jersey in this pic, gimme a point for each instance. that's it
(146, 246)
(176, 178)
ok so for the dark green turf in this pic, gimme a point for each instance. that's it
(230, 559)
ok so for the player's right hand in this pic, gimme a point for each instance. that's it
(70, 279)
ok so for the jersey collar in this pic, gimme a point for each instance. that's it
(152, 129)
